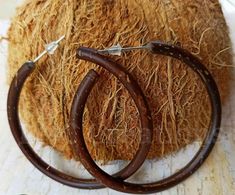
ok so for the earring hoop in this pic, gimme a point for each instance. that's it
(17, 131)
(208, 143)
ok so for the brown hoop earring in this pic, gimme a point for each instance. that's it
(14, 122)
(205, 149)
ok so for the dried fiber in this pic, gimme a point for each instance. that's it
(176, 96)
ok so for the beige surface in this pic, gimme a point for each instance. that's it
(17, 175)
(7, 8)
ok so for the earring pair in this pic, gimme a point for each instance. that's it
(75, 134)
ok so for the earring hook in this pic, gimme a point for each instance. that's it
(118, 49)
(49, 48)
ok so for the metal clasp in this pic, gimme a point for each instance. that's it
(118, 49)
(49, 48)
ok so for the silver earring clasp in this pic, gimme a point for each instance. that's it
(118, 49)
(49, 48)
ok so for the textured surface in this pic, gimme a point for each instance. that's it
(216, 177)
(177, 99)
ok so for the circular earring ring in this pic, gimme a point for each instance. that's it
(14, 122)
(205, 149)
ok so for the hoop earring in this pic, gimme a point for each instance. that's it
(16, 129)
(205, 149)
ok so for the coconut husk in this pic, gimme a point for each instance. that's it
(177, 98)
